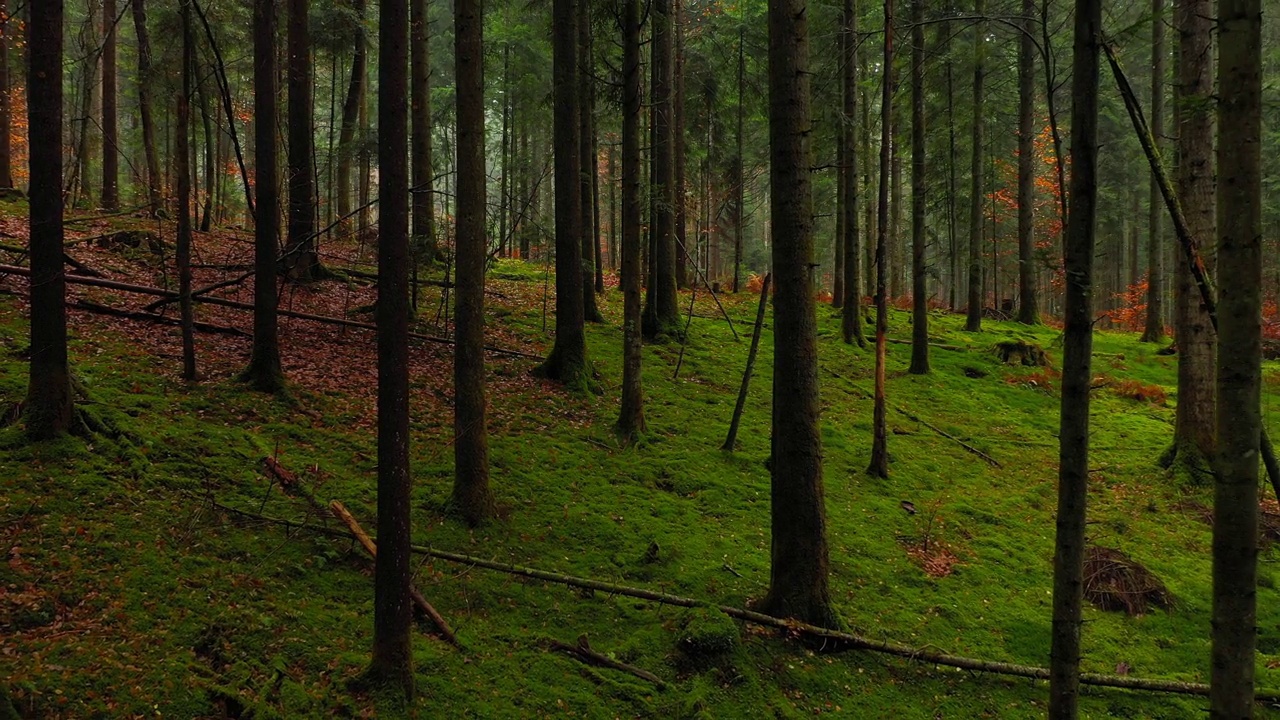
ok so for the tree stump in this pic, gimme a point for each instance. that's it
(1020, 352)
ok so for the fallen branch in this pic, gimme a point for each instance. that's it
(235, 304)
(582, 651)
(201, 292)
(910, 416)
(84, 269)
(341, 512)
(943, 346)
(844, 640)
(100, 309)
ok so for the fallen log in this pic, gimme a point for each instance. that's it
(844, 640)
(84, 269)
(582, 651)
(341, 512)
(100, 309)
(237, 305)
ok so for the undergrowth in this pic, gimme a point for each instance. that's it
(128, 592)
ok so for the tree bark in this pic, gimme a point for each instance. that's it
(392, 661)
(798, 567)
(973, 315)
(48, 410)
(586, 204)
(424, 221)
(264, 372)
(919, 198)
(1239, 371)
(1154, 329)
(110, 135)
(6, 102)
(1073, 448)
(661, 313)
(680, 193)
(1028, 308)
(879, 466)
(351, 114)
(472, 498)
(851, 314)
(144, 104)
(301, 259)
(740, 162)
(182, 147)
(631, 417)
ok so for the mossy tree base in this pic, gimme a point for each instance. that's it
(575, 374)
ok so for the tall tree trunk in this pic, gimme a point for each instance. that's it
(472, 497)
(303, 261)
(837, 239)
(87, 149)
(594, 160)
(211, 176)
(973, 316)
(612, 163)
(568, 359)
(1073, 444)
(182, 147)
(48, 410)
(1154, 329)
(351, 114)
(110, 135)
(851, 317)
(631, 417)
(739, 162)
(424, 230)
(392, 609)
(504, 161)
(661, 313)
(1193, 443)
(678, 149)
(6, 104)
(919, 198)
(896, 239)
(879, 466)
(586, 78)
(144, 104)
(798, 557)
(953, 242)
(1028, 309)
(264, 372)
(1239, 422)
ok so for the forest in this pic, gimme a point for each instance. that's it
(608, 358)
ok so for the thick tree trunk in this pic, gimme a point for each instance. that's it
(1239, 372)
(48, 410)
(568, 359)
(264, 372)
(424, 225)
(851, 315)
(798, 558)
(1154, 329)
(973, 316)
(144, 104)
(392, 660)
(919, 198)
(631, 418)
(879, 466)
(472, 498)
(302, 262)
(182, 147)
(661, 313)
(1073, 446)
(351, 117)
(110, 135)
(1028, 308)
(1194, 427)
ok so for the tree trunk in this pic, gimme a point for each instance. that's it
(798, 557)
(568, 359)
(1193, 443)
(919, 198)
(661, 313)
(182, 147)
(851, 316)
(6, 104)
(896, 240)
(1239, 372)
(264, 372)
(392, 608)
(586, 109)
(1073, 444)
(90, 51)
(424, 230)
(211, 176)
(740, 162)
(302, 261)
(48, 409)
(144, 104)
(631, 417)
(1028, 309)
(879, 466)
(678, 150)
(472, 498)
(110, 135)
(351, 116)
(973, 316)
(1154, 329)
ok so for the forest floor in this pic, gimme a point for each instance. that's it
(127, 590)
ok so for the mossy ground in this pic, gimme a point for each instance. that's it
(125, 594)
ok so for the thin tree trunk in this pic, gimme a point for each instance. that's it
(1154, 329)
(595, 195)
(185, 172)
(661, 313)
(1239, 371)
(424, 241)
(351, 112)
(302, 260)
(919, 197)
(110, 134)
(144, 104)
(1028, 310)
(1073, 447)
(631, 417)
(973, 317)
(851, 318)
(679, 146)
(392, 660)
(740, 162)
(586, 79)
(731, 440)
(504, 162)
(211, 176)
(879, 466)
(6, 103)
(48, 408)
(799, 555)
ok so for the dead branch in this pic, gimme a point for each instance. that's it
(915, 418)
(100, 309)
(582, 651)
